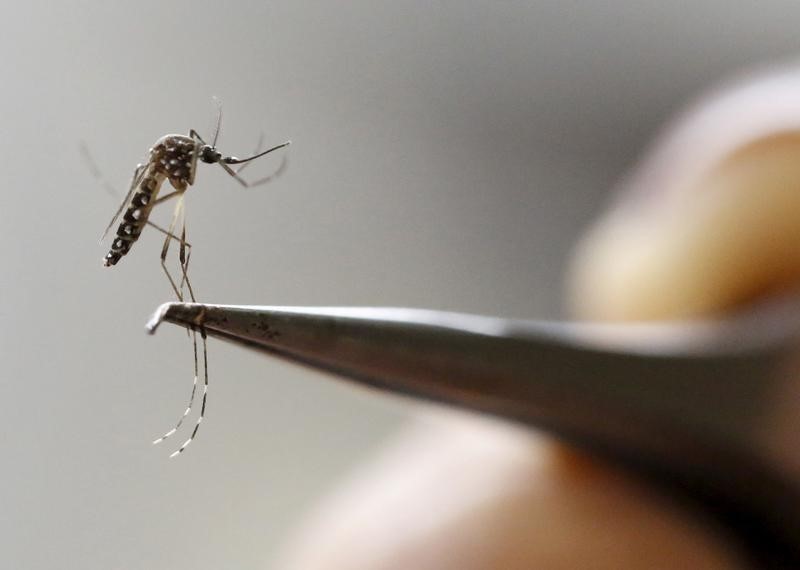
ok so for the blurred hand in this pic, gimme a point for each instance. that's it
(710, 220)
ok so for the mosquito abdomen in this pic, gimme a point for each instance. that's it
(135, 217)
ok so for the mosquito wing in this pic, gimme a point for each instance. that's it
(137, 178)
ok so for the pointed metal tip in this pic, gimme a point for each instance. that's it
(188, 315)
(157, 317)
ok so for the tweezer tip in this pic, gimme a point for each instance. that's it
(159, 316)
(182, 314)
(156, 318)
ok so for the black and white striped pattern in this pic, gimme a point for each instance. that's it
(135, 217)
(203, 404)
(192, 397)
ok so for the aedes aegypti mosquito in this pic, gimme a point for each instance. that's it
(174, 158)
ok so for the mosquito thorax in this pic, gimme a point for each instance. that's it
(174, 156)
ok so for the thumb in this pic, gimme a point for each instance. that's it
(710, 220)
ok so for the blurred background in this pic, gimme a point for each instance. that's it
(446, 155)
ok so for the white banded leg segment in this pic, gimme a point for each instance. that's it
(185, 248)
(191, 398)
(205, 397)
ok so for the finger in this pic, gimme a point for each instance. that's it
(710, 219)
(716, 194)
(477, 495)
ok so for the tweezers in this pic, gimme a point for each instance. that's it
(706, 409)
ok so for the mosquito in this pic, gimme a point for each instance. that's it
(174, 158)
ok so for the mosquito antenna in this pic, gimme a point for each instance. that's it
(219, 123)
(234, 160)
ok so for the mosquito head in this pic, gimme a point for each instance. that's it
(209, 154)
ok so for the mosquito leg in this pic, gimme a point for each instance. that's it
(205, 396)
(195, 135)
(184, 253)
(166, 197)
(165, 232)
(185, 246)
(185, 278)
(191, 398)
(184, 256)
(235, 174)
(165, 249)
(96, 172)
(259, 146)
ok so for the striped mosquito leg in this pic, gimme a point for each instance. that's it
(165, 249)
(235, 174)
(205, 396)
(191, 398)
(184, 246)
(258, 149)
(184, 256)
(184, 251)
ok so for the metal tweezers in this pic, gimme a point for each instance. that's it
(706, 409)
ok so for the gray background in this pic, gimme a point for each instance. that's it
(446, 155)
